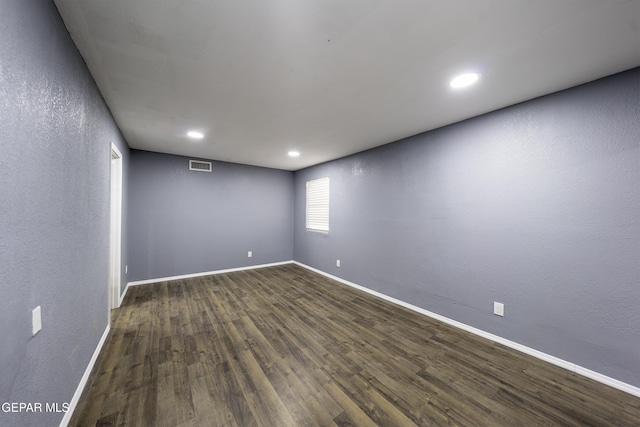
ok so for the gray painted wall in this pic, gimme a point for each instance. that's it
(536, 206)
(184, 221)
(55, 136)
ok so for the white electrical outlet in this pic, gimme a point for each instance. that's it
(126, 269)
(338, 263)
(498, 309)
(249, 254)
(36, 320)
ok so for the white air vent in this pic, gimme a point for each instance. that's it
(197, 165)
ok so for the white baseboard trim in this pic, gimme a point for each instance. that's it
(126, 288)
(84, 379)
(206, 273)
(628, 388)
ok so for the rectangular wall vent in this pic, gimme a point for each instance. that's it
(197, 165)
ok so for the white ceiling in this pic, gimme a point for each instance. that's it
(333, 77)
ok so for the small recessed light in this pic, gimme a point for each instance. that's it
(293, 154)
(464, 80)
(195, 134)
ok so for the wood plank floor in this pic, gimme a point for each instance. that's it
(283, 346)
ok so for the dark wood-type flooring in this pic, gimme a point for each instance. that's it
(283, 346)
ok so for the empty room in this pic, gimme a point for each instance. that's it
(320, 213)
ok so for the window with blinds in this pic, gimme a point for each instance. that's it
(318, 205)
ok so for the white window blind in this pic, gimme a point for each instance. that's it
(318, 205)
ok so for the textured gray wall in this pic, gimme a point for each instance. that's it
(55, 136)
(184, 221)
(536, 206)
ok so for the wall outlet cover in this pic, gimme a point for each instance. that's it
(338, 263)
(498, 308)
(249, 254)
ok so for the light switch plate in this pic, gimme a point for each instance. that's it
(36, 320)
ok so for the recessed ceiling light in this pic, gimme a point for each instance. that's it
(464, 80)
(195, 134)
(293, 154)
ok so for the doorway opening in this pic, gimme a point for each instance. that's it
(115, 239)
